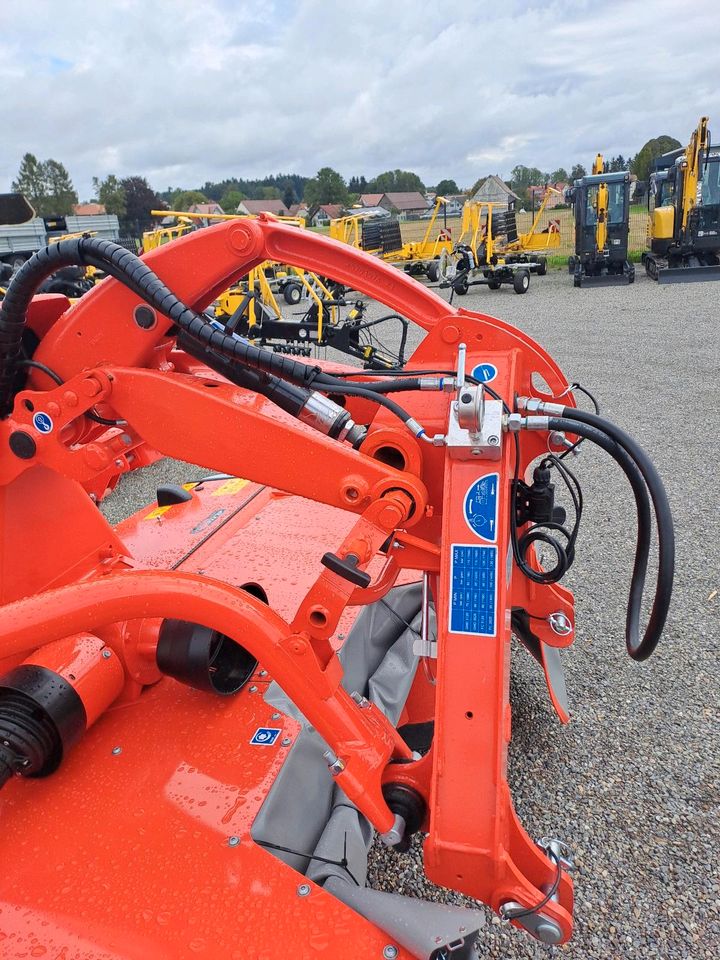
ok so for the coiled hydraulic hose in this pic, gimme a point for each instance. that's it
(616, 441)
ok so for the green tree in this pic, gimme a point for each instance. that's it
(288, 197)
(47, 185)
(447, 188)
(357, 185)
(231, 199)
(30, 182)
(111, 194)
(184, 199)
(269, 193)
(396, 181)
(559, 176)
(642, 162)
(140, 198)
(61, 192)
(326, 187)
(577, 172)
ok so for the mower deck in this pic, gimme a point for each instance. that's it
(154, 858)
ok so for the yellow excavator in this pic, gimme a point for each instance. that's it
(602, 227)
(684, 224)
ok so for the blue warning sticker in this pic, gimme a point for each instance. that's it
(265, 736)
(484, 372)
(481, 507)
(42, 422)
(473, 589)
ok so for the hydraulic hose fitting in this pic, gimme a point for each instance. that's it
(330, 418)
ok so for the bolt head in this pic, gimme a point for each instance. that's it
(233, 841)
(252, 689)
(390, 952)
(303, 890)
(116, 751)
(106, 654)
(286, 741)
(275, 716)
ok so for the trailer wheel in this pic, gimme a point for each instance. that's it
(433, 271)
(541, 267)
(521, 281)
(461, 286)
(571, 264)
(577, 281)
(292, 293)
(494, 284)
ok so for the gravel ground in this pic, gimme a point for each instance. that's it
(632, 783)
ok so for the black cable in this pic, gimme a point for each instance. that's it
(642, 472)
(90, 414)
(343, 864)
(518, 914)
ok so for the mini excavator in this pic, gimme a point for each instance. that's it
(209, 710)
(684, 226)
(602, 226)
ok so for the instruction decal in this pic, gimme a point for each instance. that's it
(481, 507)
(42, 422)
(265, 736)
(473, 589)
(484, 372)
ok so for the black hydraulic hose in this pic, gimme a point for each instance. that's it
(131, 271)
(643, 472)
(138, 277)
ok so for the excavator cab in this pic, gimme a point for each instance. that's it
(684, 225)
(602, 220)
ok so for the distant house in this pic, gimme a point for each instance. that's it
(408, 204)
(494, 190)
(300, 210)
(325, 213)
(371, 199)
(454, 205)
(88, 209)
(254, 207)
(206, 208)
(537, 193)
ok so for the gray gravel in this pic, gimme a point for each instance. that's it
(632, 783)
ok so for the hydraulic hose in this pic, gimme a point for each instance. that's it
(616, 442)
(138, 277)
(131, 271)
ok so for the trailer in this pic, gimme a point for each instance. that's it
(20, 239)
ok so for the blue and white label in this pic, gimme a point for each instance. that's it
(473, 590)
(484, 372)
(481, 507)
(265, 736)
(42, 422)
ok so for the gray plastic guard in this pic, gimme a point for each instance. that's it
(430, 931)
(304, 808)
(306, 811)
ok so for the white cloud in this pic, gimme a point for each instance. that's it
(183, 92)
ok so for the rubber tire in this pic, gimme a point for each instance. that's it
(461, 286)
(494, 284)
(542, 266)
(521, 281)
(571, 265)
(631, 276)
(577, 281)
(292, 292)
(433, 271)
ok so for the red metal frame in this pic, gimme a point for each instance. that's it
(68, 574)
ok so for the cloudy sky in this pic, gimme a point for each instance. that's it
(184, 91)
